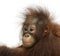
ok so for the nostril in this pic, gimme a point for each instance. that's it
(26, 35)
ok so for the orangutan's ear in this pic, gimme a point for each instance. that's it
(58, 34)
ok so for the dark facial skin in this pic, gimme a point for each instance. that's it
(29, 30)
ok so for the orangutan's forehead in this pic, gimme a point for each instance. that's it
(31, 20)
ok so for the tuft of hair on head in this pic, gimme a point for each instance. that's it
(38, 12)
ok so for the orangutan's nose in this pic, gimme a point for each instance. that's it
(26, 35)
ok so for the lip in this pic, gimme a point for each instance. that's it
(27, 42)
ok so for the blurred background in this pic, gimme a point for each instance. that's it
(11, 18)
